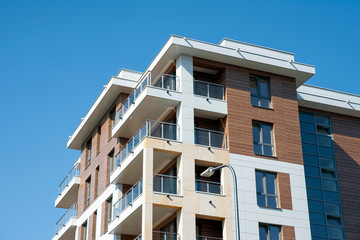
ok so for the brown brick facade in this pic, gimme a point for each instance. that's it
(284, 191)
(288, 232)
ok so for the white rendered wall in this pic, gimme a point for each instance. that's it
(251, 214)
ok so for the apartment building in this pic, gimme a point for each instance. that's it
(149, 137)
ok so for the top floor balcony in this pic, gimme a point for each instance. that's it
(156, 91)
(68, 188)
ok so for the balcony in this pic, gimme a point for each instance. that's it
(166, 184)
(68, 189)
(159, 235)
(210, 138)
(209, 90)
(207, 186)
(199, 237)
(156, 91)
(66, 226)
(126, 156)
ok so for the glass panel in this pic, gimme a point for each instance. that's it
(308, 137)
(257, 149)
(336, 233)
(201, 137)
(274, 232)
(268, 151)
(216, 91)
(261, 200)
(256, 132)
(305, 116)
(323, 120)
(332, 209)
(328, 174)
(316, 206)
(323, 130)
(309, 148)
(329, 185)
(307, 127)
(272, 202)
(317, 217)
(327, 163)
(314, 194)
(254, 101)
(264, 88)
(259, 182)
(312, 171)
(253, 86)
(200, 88)
(313, 182)
(331, 197)
(326, 151)
(318, 230)
(311, 159)
(267, 135)
(263, 232)
(265, 103)
(270, 183)
(324, 140)
(334, 221)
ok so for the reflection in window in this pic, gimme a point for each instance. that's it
(269, 232)
(266, 189)
(260, 91)
(263, 138)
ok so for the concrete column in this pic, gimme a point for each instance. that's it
(185, 112)
(187, 225)
(147, 207)
(228, 233)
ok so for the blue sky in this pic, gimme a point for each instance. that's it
(55, 56)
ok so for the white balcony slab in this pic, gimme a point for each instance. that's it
(68, 230)
(69, 195)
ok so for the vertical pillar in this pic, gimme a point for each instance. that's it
(185, 113)
(147, 207)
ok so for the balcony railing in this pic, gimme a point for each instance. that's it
(70, 213)
(149, 128)
(199, 237)
(128, 198)
(210, 138)
(74, 172)
(157, 235)
(207, 186)
(151, 78)
(209, 90)
(165, 184)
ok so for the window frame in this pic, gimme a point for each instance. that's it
(267, 227)
(88, 152)
(84, 230)
(88, 191)
(96, 190)
(258, 91)
(264, 186)
(261, 138)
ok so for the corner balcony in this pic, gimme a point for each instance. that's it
(128, 161)
(156, 91)
(66, 227)
(68, 188)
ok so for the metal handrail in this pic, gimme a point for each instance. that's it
(200, 237)
(162, 188)
(209, 137)
(210, 94)
(71, 212)
(165, 234)
(139, 135)
(75, 171)
(144, 82)
(117, 210)
(208, 184)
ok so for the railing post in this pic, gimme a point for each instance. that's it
(162, 130)
(162, 81)
(149, 79)
(209, 138)
(208, 90)
(162, 183)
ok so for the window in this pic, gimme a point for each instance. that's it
(110, 164)
(260, 91)
(84, 231)
(263, 139)
(112, 118)
(109, 211)
(98, 138)
(269, 232)
(87, 193)
(266, 189)
(97, 181)
(94, 224)
(88, 153)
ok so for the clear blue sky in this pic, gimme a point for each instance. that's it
(55, 56)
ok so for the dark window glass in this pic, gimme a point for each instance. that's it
(323, 130)
(88, 187)
(327, 163)
(331, 197)
(314, 194)
(307, 127)
(260, 91)
(266, 188)
(312, 171)
(329, 185)
(318, 230)
(308, 137)
(112, 118)
(332, 209)
(317, 217)
(316, 206)
(274, 232)
(328, 174)
(109, 209)
(324, 140)
(305, 116)
(336, 233)
(313, 182)
(326, 151)
(309, 148)
(263, 232)
(322, 120)
(263, 139)
(334, 221)
(311, 159)
(84, 226)
(88, 148)
(269, 232)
